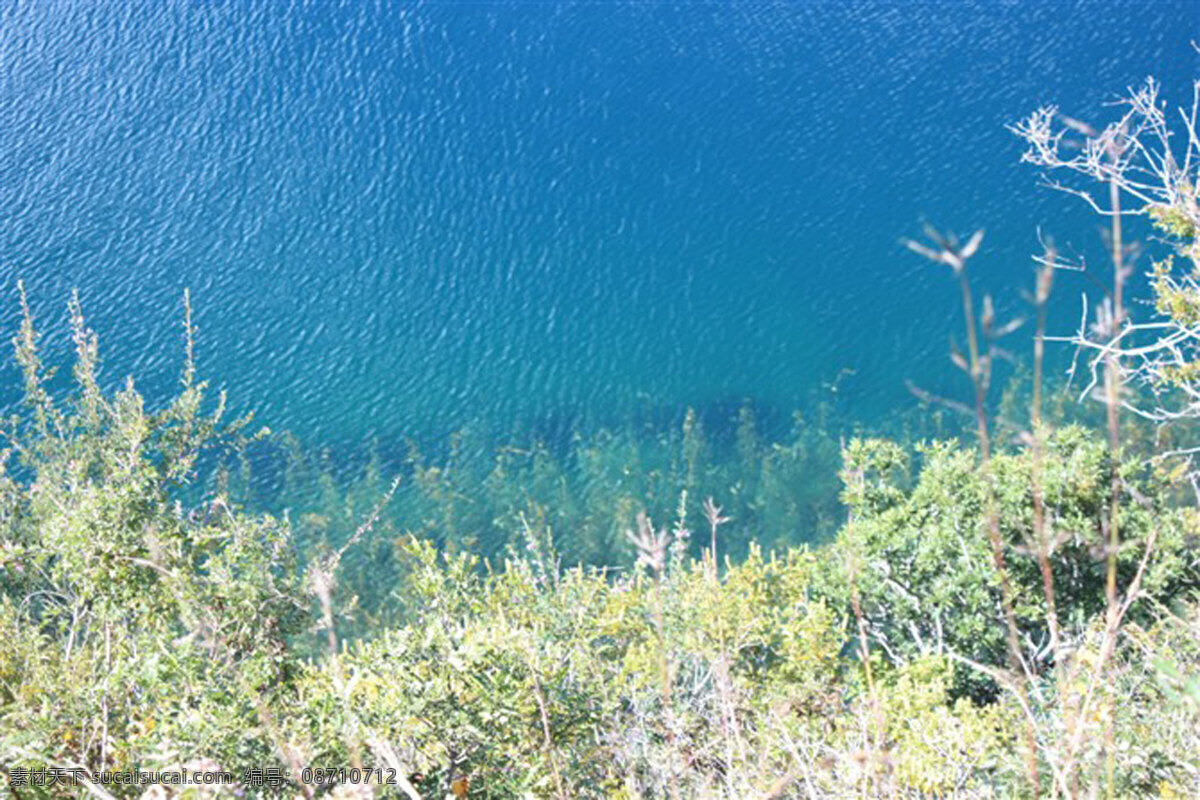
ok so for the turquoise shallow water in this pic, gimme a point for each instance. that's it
(399, 219)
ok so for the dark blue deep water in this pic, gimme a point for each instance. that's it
(400, 218)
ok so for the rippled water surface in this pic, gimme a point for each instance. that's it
(399, 218)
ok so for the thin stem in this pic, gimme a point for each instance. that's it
(1112, 383)
(979, 377)
(1041, 538)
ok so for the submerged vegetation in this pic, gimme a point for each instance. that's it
(1012, 612)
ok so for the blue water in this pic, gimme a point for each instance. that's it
(396, 219)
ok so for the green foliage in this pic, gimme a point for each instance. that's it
(150, 621)
(927, 581)
(138, 630)
(1176, 291)
(643, 686)
(1174, 221)
(481, 497)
